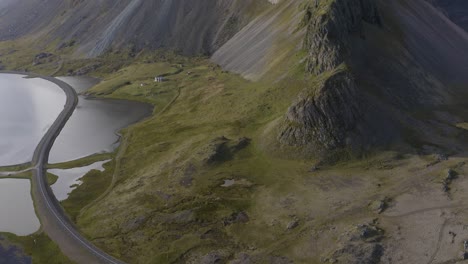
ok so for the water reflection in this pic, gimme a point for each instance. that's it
(18, 215)
(28, 107)
(94, 125)
(69, 179)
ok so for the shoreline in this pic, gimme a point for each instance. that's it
(54, 220)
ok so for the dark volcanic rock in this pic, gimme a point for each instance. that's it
(328, 33)
(235, 218)
(359, 254)
(326, 118)
(241, 143)
(38, 59)
(222, 149)
(86, 69)
(451, 175)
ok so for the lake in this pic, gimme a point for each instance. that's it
(28, 107)
(16, 204)
(94, 125)
(69, 179)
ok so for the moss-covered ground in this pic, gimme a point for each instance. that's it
(203, 178)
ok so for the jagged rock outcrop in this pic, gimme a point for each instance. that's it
(360, 245)
(325, 118)
(330, 27)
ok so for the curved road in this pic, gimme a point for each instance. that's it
(54, 220)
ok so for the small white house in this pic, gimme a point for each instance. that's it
(159, 79)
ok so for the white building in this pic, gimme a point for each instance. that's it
(159, 79)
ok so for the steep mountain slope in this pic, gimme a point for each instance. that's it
(456, 10)
(400, 56)
(260, 168)
(18, 18)
(264, 43)
(96, 26)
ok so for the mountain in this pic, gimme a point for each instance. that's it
(287, 131)
(456, 10)
(96, 26)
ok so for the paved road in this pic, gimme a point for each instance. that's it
(53, 219)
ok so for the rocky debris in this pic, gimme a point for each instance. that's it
(43, 55)
(359, 254)
(380, 206)
(367, 232)
(188, 172)
(218, 151)
(211, 258)
(293, 224)
(133, 224)
(240, 217)
(451, 175)
(163, 195)
(442, 157)
(213, 234)
(328, 33)
(222, 149)
(67, 44)
(85, 70)
(453, 235)
(326, 118)
(39, 58)
(241, 143)
(359, 245)
(181, 217)
(314, 168)
(439, 157)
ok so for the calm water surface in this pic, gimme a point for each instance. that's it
(28, 107)
(69, 179)
(17, 210)
(94, 125)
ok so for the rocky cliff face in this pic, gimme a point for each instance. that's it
(329, 28)
(402, 58)
(326, 118)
